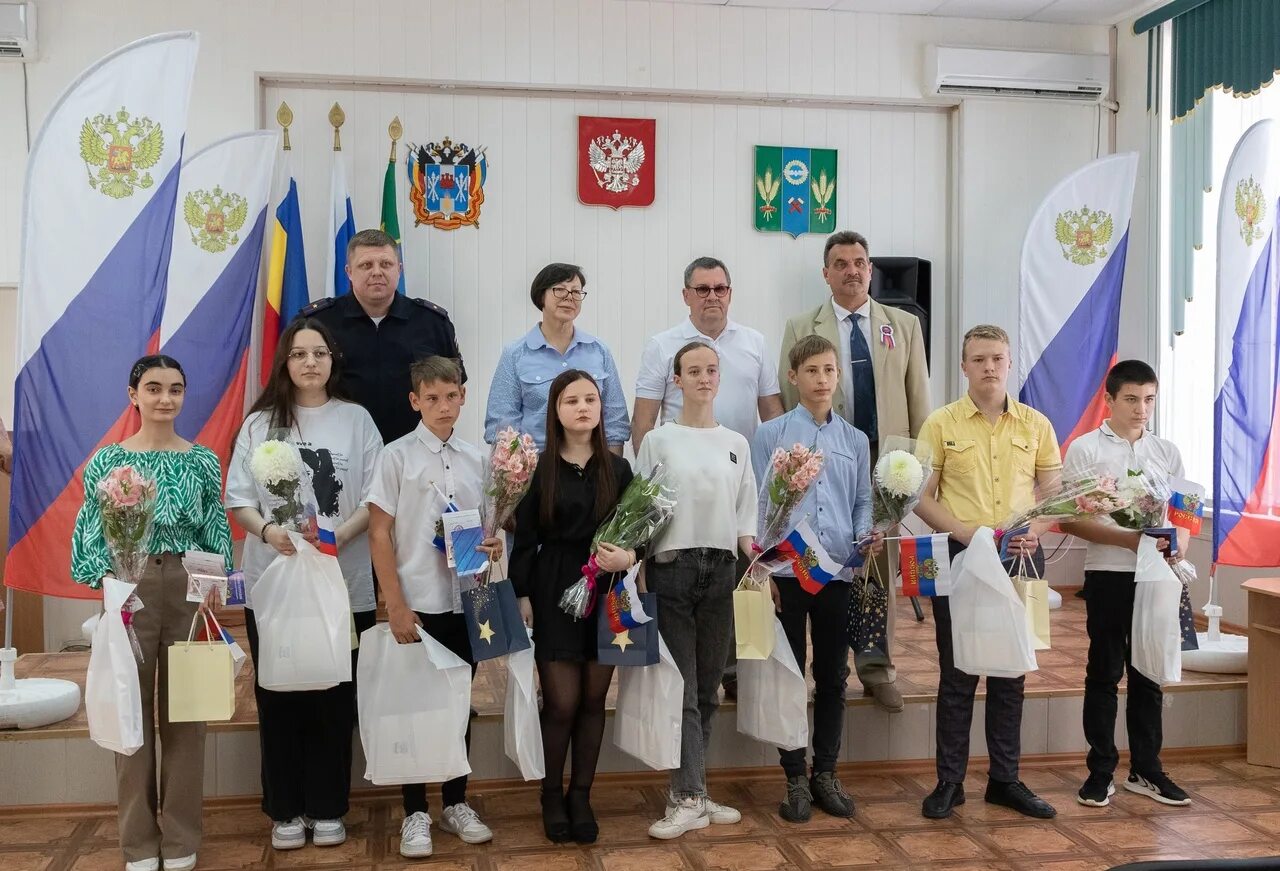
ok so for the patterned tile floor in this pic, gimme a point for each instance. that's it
(1236, 813)
(1061, 669)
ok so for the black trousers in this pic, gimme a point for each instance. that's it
(451, 631)
(1108, 601)
(956, 691)
(827, 615)
(305, 739)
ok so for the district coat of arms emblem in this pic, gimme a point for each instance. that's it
(446, 184)
(795, 190)
(1250, 209)
(616, 161)
(117, 151)
(214, 218)
(1084, 234)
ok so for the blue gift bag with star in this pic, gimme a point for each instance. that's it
(620, 643)
(493, 620)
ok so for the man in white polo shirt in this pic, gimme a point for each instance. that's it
(1120, 445)
(749, 391)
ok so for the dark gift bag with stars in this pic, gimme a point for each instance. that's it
(869, 619)
(493, 620)
(636, 646)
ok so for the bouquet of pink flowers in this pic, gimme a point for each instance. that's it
(507, 477)
(791, 474)
(127, 501)
(1089, 495)
(1147, 496)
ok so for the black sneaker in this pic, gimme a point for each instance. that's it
(946, 796)
(798, 805)
(1097, 790)
(1157, 786)
(830, 795)
(1017, 796)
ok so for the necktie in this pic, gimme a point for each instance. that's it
(864, 381)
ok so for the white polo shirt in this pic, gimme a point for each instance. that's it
(745, 374)
(402, 487)
(1103, 449)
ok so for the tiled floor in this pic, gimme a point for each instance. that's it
(1236, 813)
(1061, 669)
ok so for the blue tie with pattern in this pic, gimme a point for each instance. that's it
(864, 381)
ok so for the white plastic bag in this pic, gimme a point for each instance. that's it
(414, 701)
(112, 692)
(303, 613)
(646, 723)
(989, 633)
(773, 701)
(522, 732)
(1155, 638)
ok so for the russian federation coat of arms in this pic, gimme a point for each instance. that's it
(1084, 235)
(446, 184)
(615, 161)
(214, 218)
(795, 190)
(117, 151)
(1250, 209)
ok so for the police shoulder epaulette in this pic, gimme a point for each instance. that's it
(318, 306)
(428, 304)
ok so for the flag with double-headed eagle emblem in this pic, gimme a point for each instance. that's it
(616, 161)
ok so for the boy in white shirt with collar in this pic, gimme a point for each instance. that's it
(417, 476)
(1119, 445)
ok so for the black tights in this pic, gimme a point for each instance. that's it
(573, 696)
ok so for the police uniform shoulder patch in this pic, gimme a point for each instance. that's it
(318, 306)
(430, 306)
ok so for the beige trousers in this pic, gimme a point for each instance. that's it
(161, 819)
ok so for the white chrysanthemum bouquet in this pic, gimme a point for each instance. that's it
(284, 483)
(898, 480)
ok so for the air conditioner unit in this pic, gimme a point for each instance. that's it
(1001, 72)
(17, 31)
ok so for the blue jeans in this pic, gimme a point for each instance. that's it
(695, 617)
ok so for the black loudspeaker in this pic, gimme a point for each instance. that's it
(905, 283)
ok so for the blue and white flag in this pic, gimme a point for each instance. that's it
(97, 216)
(342, 226)
(1069, 294)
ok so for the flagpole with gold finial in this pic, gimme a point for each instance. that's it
(337, 118)
(390, 223)
(284, 117)
(395, 130)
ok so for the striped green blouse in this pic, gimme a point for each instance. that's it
(188, 513)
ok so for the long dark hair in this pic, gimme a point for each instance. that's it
(606, 481)
(277, 397)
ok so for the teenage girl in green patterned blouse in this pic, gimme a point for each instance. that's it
(188, 516)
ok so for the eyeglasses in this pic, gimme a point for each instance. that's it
(705, 290)
(319, 355)
(567, 293)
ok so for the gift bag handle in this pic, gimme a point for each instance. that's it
(1022, 564)
(214, 638)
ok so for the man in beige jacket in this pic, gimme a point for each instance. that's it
(883, 389)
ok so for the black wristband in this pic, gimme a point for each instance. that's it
(262, 533)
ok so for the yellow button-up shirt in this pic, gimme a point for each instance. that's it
(989, 472)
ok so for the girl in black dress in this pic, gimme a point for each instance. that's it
(576, 485)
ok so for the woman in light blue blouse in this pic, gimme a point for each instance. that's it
(518, 393)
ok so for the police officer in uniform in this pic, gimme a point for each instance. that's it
(381, 333)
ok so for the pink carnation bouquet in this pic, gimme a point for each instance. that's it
(1090, 495)
(791, 474)
(507, 477)
(126, 501)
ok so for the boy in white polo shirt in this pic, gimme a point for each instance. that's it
(417, 476)
(1119, 445)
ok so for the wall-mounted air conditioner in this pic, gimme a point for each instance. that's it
(17, 31)
(954, 71)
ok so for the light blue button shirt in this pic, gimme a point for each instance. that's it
(838, 504)
(518, 393)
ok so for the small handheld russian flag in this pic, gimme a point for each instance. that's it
(326, 541)
(926, 565)
(1186, 506)
(813, 566)
(623, 606)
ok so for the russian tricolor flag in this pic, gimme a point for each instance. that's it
(622, 605)
(342, 226)
(326, 541)
(98, 223)
(1246, 457)
(925, 562)
(1071, 276)
(813, 566)
(287, 291)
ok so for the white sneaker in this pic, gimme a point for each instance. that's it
(459, 819)
(327, 833)
(415, 836)
(686, 815)
(186, 863)
(719, 814)
(143, 865)
(289, 835)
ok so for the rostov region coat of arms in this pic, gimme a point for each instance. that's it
(1084, 235)
(446, 184)
(117, 151)
(615, 161)
(214, 218)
